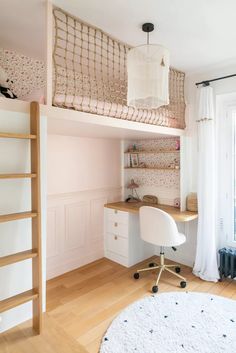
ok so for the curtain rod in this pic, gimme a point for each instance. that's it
(207, 82)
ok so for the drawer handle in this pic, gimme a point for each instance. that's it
(115, 237)
(115, 224)
(116, 211)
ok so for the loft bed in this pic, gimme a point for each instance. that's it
(93, 102)
(89, 75)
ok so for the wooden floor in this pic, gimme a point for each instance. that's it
(81, 304)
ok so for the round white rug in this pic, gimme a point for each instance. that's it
(174, 322)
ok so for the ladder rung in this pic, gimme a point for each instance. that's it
(18, 299)
(20, 256)
(16, 216)
(17, 136)
(18, 176)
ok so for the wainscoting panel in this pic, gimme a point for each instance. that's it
(96, 216)
(75, 228)
(53, 229)
(76, 224)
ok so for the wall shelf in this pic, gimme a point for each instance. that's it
(152, 152)
(154, 168)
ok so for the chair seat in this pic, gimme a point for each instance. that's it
(181, 240)
(178, 240)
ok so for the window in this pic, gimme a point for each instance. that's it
(226, 160)
(233, 117)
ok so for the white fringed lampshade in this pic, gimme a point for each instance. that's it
(148, 76)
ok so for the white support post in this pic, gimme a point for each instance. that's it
(122, 150)
(49, 40)
(184, 170)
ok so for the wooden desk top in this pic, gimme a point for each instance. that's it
(133, 207)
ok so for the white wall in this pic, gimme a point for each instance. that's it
(83, 175)
(15, 196)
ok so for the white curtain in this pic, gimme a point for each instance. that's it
(206, 256)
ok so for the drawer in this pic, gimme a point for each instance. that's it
(118, 228)
(117, 244)
(117, 216)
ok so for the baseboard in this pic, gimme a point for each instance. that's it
(67, 266)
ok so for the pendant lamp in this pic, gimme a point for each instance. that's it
(148, 74)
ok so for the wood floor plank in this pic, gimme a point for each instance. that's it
(82, 303)
(53, 339)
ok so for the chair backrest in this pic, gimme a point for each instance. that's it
(157, 227)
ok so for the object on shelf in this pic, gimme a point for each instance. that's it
(150, 199)
(133, 186)
(134, 160)
(142, 165)
(191, 202)
(177, 202)
(176, 162)
(177, 145)
(133, 148)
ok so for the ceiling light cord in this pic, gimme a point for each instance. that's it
(148, 27)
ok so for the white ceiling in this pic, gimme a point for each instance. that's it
(199, 33)
(23, 27)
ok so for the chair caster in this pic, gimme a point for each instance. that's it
(183, 284)
(152, 264)
(136, 275)
(177, 269)
(154, 289)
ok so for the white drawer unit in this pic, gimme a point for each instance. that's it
(122, 242)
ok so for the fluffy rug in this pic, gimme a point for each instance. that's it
(174, 323)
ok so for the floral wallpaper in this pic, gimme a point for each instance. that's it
(27, 74)
(170, 177)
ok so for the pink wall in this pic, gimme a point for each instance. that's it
(83, 175)
(76, 164)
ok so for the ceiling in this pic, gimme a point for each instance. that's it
(199, 33)
(23, 27)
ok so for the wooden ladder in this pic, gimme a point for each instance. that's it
(35, 294)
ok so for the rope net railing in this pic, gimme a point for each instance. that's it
(90, 75)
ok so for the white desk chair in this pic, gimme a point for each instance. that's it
(158, 227)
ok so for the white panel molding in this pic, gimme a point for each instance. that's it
(52, 227)
(84, 193)
(75, 228)
(75, 225)
(96, 217)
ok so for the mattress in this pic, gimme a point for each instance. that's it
(161, 117)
